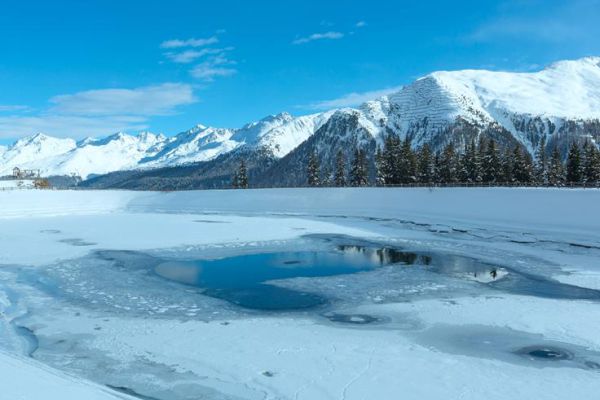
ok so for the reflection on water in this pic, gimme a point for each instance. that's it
(241, 279)
(385, 255)
(507, 279)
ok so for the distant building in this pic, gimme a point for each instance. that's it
(19, 173)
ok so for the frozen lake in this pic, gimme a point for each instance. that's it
(188, 295)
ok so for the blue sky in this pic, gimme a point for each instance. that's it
(74, 68)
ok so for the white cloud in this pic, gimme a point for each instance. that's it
(189, 56)
(185, 57)
(13, 107)
(319, 36)
(360, 24)
(353, 99)
(208, 71)
(218, 66)
(99, 112)
(149, 100)
(215, 64)
(193, 42)
(68, 126)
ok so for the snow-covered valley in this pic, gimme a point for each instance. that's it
(444, 293)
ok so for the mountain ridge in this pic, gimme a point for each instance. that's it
(560, 102)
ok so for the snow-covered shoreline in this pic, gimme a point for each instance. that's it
(302, 356)
(547, 206)
(23, 378)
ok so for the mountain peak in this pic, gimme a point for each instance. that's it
(282, 116)
(36, 138)
(39, 136)
(40, 139)
(148, 136)
(585, 62)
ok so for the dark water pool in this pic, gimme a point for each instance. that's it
(263, 280)
(545, 353)
(243, 280)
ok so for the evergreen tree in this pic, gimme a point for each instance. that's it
(541, 163)
(359, 175)
(506, 167)
(390, 161)
(528, 174)
(326, 177)
(462, 171)
(340, 169)
(379, 167)
(425, 165)
(591, 168)
(482, 145)
(240, 178)
(471, 164)
(477, 171)
(522, 168)
(491, 163)
(448, 165)
(556, 172)
(406, 163)
(313, 169)
(437, 162)
(574, 164)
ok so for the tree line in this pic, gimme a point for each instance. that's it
(480, 162)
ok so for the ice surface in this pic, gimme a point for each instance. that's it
(80, 293)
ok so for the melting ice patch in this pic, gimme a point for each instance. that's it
(331, 272)
(507, 345)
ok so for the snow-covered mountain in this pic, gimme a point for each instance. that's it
(278, 134)
(561, 102)
(53, 156)
(562, 99)
(38, 148)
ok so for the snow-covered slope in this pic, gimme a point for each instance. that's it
(65, 157)
(560, 102)
(116, 152)
(24, 378)
(566, 89)
(284, 132)
(33, 152)
(278, 134)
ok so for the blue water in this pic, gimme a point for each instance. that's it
(243, 280)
